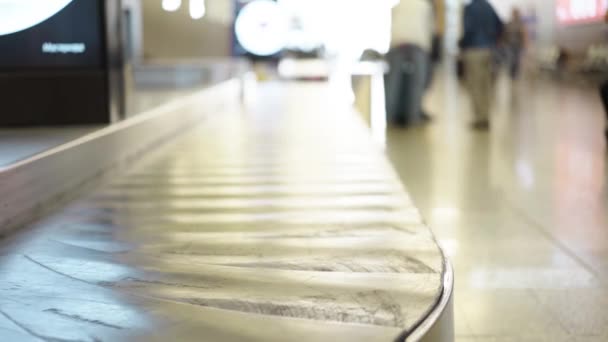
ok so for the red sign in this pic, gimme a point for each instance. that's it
(581, 11)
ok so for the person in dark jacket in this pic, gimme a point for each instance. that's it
(482, 32)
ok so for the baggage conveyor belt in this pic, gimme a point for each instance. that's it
(282, 222)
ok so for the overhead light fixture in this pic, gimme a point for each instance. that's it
(197, 9)
(261, 28)
(171, 5)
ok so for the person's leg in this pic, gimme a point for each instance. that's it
(515, 62)
(427, 66)
(474, 83)
(604, 96)
(469, 79)
(403, 65)
(486, 84)
(417, 58)
(430, 71)
(391, 84)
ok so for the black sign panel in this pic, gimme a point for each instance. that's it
(70, 39)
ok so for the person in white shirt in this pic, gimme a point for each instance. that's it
(409, 61)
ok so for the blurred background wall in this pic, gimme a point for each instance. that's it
(177, 35)
(575, 35)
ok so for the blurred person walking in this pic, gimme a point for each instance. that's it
(515, 40)
(409, 61)
(482, 31)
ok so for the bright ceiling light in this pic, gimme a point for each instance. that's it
(171, 5)
(261, 28)
(197, 9)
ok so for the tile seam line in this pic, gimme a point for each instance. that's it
(551, 312)
(552, 238)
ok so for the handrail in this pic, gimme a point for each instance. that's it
(438, 325)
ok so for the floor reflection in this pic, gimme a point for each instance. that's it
(522, 210)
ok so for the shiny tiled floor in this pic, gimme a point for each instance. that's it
(522, 210)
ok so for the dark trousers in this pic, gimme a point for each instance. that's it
(604, 96)
(514, 60)
(405, 83)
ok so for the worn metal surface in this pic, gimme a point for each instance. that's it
(30, 186)
(281, 222)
